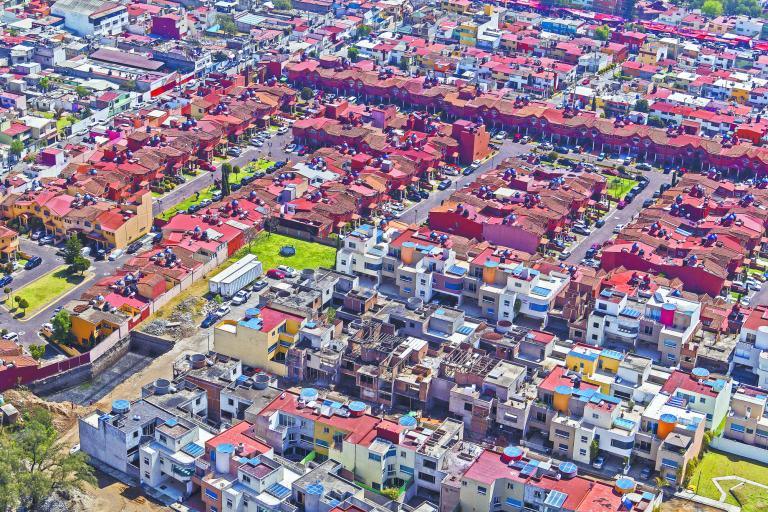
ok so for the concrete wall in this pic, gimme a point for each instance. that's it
(742, 450)
(148, 344)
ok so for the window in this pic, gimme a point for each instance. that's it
(607, 323)
(671, 357)
(229, 503)
(163, 439)
(326, 430)
(737, 428)
(467, 406)
(594, 337)
(146, 474)
(146, 461)
(230, 401)
(562, 433)
(429, 464)
(407, 289)
(506, 303)
(426, 477)
(563, 447)
(670, 344)
(482, 491)
(648, 329)
(582, 452)
(246, 479)
(406, 279)
(374, 457)
(602, 306)
(584, 439)
(596, 325)
(622, 445)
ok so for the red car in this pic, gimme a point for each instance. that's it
(621, 205)
(275, 273)
(303, 151)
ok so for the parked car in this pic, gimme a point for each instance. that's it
(617, 229)
(46, 240)
(240, 298)
(275, 273)
(475, 164)
(12, 336)
(443, 185)
(467, 171)
(581, 230)
(288, 271)
(424, 194)
(564, 255)
(600, 223)
(209, 320)
(33, 262)
(290, 148)
(282, 130)
(115, 254)
(134, 247)
(258, 286)
(100, 254)
(648, 203)
(234, 152)
(621, 205)
(645, 473)
(563, 149)
(223, 310)
(6, 280)
(643, 167)
(601, 157)
(36, 235)
(599, 462)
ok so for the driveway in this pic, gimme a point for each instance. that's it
(616, 216)
(418, 213)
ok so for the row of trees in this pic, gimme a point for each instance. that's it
(35, 464)
(728, 7)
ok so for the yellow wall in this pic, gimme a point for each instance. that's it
(574, 362)
(609, 364)
(82, 329)
(248, 345)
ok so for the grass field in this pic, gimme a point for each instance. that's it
(751, 498)
(267, 246)
(41, 292)
(715, 464)
(618, 187)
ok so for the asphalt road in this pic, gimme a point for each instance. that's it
(28, 327)
(616, 216)
(273, 149)
(418, 213)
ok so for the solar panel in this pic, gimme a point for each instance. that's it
(556, 499)
(464, 329)
(315, 489)
(278, 490)
(529, 468)
(171, 422)
(193, 449)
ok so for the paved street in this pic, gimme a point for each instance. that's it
(206, 178)
(417, 213)
(616, 216)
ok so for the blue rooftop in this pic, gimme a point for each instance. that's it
(589, 356)
(464, 329)
(612, 354)
(193, 449)
(456, 270)
(632, 313)
(540, 290)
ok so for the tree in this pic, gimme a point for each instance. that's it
(80, 265)
(226, 168)
(602, 33)
(44, 84)
(236, 170)
(23, 303)
(226, 24)
(81, 91)
(7, 291)
(283, 5)
(391, 492)
(330, 315)
(72, 249)
(62, 326)
(594, 450)
(641, 105)
(37, 351)
(219, 56)
(35, 464)
(712, 8)
(17, 147)
(307, 94)
(594, 103)
(364, 31)
(353, 53)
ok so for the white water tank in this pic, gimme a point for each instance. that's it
(223, 457)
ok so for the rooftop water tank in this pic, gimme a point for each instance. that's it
(121, 406)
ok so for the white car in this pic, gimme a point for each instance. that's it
(475, 164)
(240, 297)
(11, 336)
(222, 310)
(289, 271)
(618, 228)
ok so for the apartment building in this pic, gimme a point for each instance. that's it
(661, 319)
(260, 339)
(167, 462)
(751, 350)
(701, 392)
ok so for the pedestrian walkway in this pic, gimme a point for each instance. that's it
(742, 481)
(701, 500)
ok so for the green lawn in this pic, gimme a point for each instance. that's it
(618, 187)
(716, 464)
(267, 246)
(44, 290)
(751, 498)
(207, 193)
